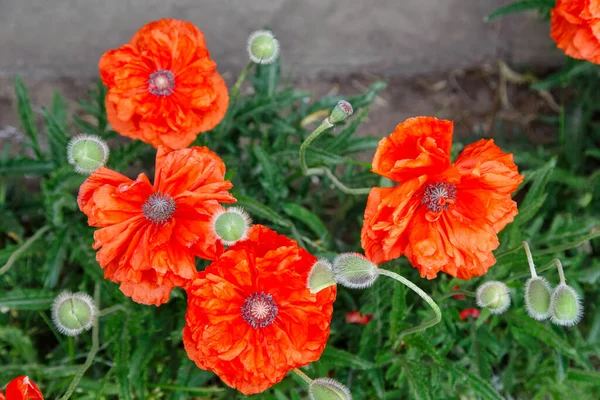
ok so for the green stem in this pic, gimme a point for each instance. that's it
(17, 253)
(336, 182)
(529, 259)
(112, 309)
(235, 91)
(455, 292)
(320, 129)
(544, 268)
(91, 354)
(302, 375)
(425, 325)
(561, 273)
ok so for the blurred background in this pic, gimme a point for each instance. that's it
(440, 56)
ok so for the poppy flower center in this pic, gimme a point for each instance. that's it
(259, 310)
(438, 196)
(159, 208)
(161, 83)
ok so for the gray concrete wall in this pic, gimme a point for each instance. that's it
(58, 38)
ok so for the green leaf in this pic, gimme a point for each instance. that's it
(418, 379)
(20, 166)
(481, 387)
(57, 139)
(579, 375)
(532, 203)
(343, 359)
(271, 179)
(309, 219)
(27, 299)
(267, 78)
(262, 211)
(19, 342)
(27, 117)
(519, 6)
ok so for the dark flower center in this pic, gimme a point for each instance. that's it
(159, 208)
(161, 83)
(259, 310)
(438, 196)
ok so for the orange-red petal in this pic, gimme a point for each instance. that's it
(22, 388)
(418, 146)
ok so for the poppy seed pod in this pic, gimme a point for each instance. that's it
(354, 271)
(73, 313)
(263, 48)
(320, 277)
(537, 298)
(87, 153)
(340, 112)
(493, 295)
(565, 306)
(328, 389)
(231, 225)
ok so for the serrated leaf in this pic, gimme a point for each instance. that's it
(57, 139)
(478, 385)
(271, 180)
(26, 116)
(417, 377)
(21, 166)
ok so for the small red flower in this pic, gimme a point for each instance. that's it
(149, 234)
(355, 317)
(458, 296)
(250, 316)
(469, 312)
(22, 388)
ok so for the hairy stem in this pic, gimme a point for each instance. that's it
(235, 91)
(112, 309)
(91, 355)
(561, 273)
(529, 259)
(26, 245)
(320, 129)
(425, 325)
(302, 375)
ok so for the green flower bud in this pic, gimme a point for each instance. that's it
(231, 225)
(328, 389)
(320, 276)
(263, 48)
(87, 153)
(537, 298)
(340, 112)
(73, 313)
(354, 271)
(565, 306)
(493, 295)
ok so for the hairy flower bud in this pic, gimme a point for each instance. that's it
(537, 298)
(353, 270)
(87, 153)
(231, 225)
(320, 276)
(263, 48)
(328, 389)
(340, 112)
(493, 295)
(566, 308)
(73, 313)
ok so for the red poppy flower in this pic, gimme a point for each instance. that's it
(576, 28)
(442, 216)
(469, 312)
(355, 317)
(22, 388)
(150, 233)
(163, 87)
(251, 317)
(458, 296)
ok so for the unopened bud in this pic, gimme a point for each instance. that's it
(495, 296)
(87, 153)
(231, 225)
(73, 313)
(328, 389)
(537, 298)
(565, 306)
(340, 112)
(320, 276)
(353, 270)
(263, 48)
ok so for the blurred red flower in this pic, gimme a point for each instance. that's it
(22, 388)
(163, 87)
(458, 296)
(250, 316)
(150, 233)
(576, 28)
(469, 312)
(355, 317)
(442, 216)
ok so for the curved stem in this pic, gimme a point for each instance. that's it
(235, 91)
(302, 375)
(529, 259)
(112, 309)
(17, 253)
(455, 292)
(320, 129)
(336, 182)
(91, 355)
(561, 273)
(425, 325)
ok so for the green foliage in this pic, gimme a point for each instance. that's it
(47, 246)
